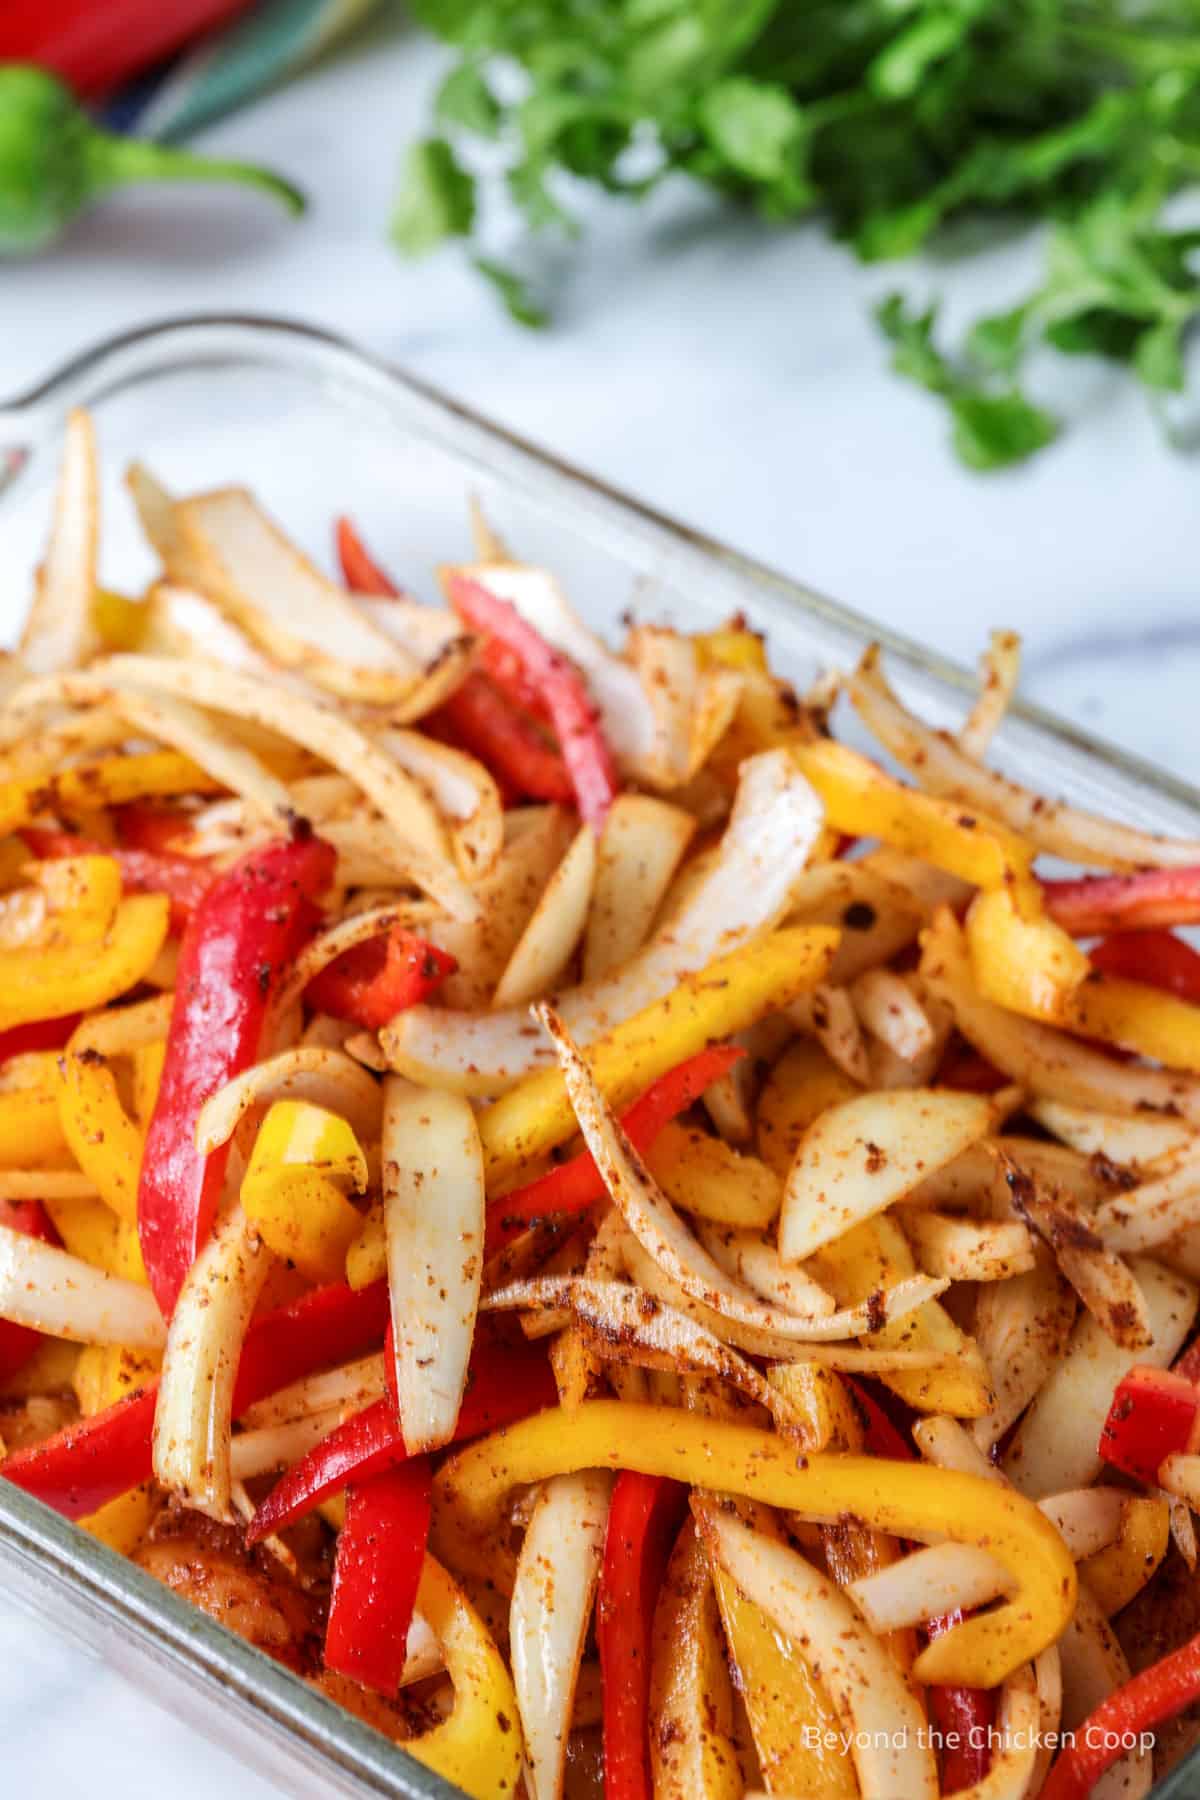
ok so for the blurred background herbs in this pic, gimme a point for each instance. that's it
(891, 121)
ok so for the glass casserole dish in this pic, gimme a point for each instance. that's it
(299, 416)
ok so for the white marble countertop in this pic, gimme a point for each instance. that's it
(731, 377)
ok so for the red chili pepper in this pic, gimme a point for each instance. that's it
(46, 1034)
(18, 1342)
(574, 1186)
(1097, 903)
(1158, 958)
(505, 1383)
(84, 1466)
(183, 880)
(97, 47)
(582, 742)
(643, 1519)
(380, 1550)
(962, 1715)
(1155, 1413)
(479, 719)
(245, 931)
(1110, 1732)
(376, 980)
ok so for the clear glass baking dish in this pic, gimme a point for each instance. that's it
(316, 427)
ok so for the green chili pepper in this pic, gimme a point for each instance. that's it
(54, 160)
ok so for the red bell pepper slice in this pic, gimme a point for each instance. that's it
(245, 931)
(1155, 1413)
(1157, 958)
(962, 1715)
(46, 1034)
(84, 1466)
(1118, 1723)
(18, 1342)
(376, 980)
(643, 1519)
(505, 1384)
(575, 1185)
(149, 825)
(183, 880)
(505, 669)
(1097, 903)
(380, 1550)
(584, 747)
(477, 717)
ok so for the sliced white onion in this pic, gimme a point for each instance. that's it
(889, 1009)
(555, 928)
(1179, 1476)
(770, 835)
(624, 709)
(661, 1232)
(886, 1724)
(277, 1446)
(349, 1388)
(621, 1323)
(433, 1204)
(944, 1578)
(327, 1078)
(1021, 1327)
(999, 672)
(860, 1157)
(1093, 1667)
(640, 849)
(968, 1249)
(192, 1421)
(1122, 1140)
(1087, 1519)
(747, 1256)
(1051, 826)
(557, 1572)
(465, 792)
(828, 1015)
(946, 1443)
(47, 1289)
(1055, 1444)
(1048, 1063)
(1183, 1530)
(118, 1030)
(893, 1303)
(329, 735)
(1166, 1202)
(59, 633)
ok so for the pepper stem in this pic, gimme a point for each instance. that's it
(114, 161)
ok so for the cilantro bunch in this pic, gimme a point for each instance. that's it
(890, 119)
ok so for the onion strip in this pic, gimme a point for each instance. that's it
(48, 1290)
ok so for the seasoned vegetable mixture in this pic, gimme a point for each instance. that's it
(641, 1251)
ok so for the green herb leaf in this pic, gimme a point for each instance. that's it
(754, 126)
(993, 430)
(514, 292)
(465, 99)
(436, 199)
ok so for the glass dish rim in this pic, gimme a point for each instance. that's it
(62, 1557)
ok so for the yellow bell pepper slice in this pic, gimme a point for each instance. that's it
(707, 1176)
(726, 996)
(108, 781)
(473, 1486)
(693, 1754)
(31, 1133)
(119, 621)
(876, 1255)
(1029, 965)
(479, 1747)
(91, 1231)
(148, 1060)
(1121, 1570)
(803, 1084)
(791, 1717)
(862, 800)
(304, 1161)
(48, 984)
(103, 1139)
(104, 1374)
(82, 895)
(1135, 1017)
